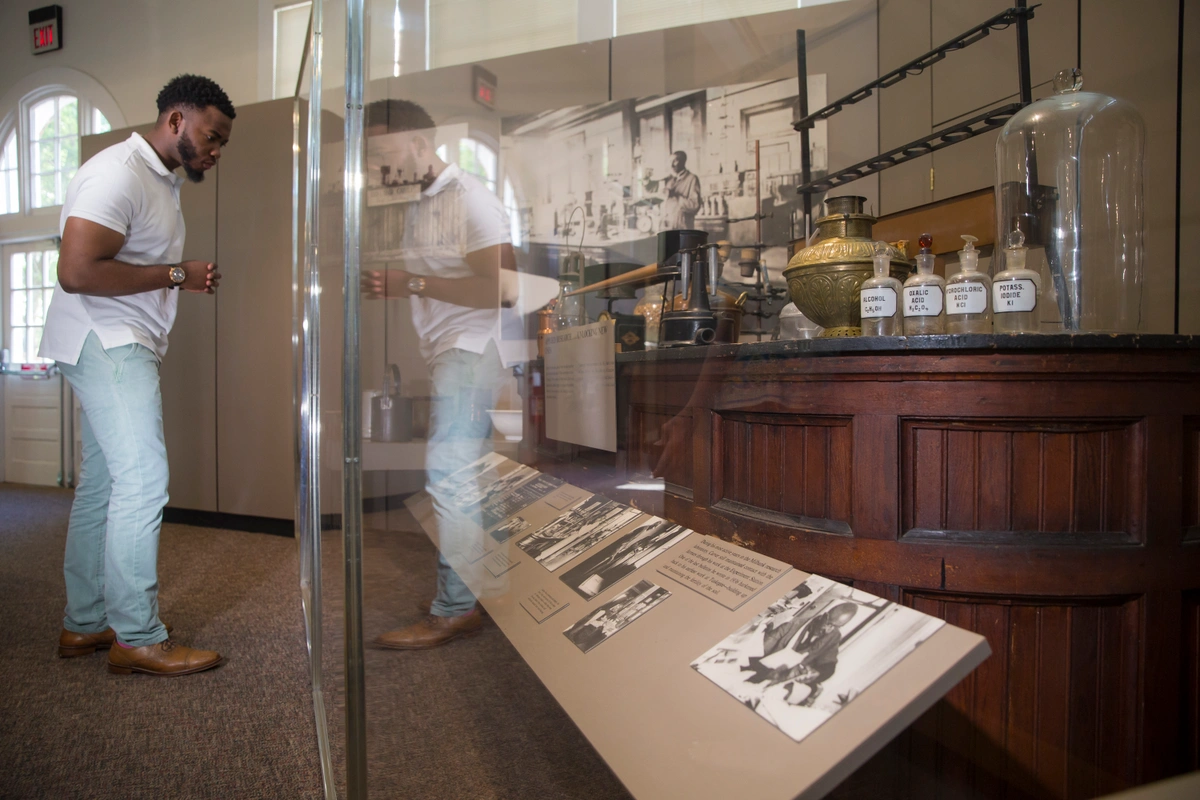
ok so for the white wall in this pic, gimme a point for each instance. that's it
(133, 47)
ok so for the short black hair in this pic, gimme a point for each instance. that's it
(194, 91)
(682, 155)
(397, 116)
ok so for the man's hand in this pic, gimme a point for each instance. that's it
(381, 283)
(202, 277)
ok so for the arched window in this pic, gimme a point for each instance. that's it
(514, 213)
(9, 202)
(40, 151)
(473, 156)
(478, 158)
(42, 117)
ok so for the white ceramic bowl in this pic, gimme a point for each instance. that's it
(508, 423)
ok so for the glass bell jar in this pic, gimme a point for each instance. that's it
(1069, 177)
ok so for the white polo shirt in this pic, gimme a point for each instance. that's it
(128, 189)
(456, 215)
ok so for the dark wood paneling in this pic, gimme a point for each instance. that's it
(1053, 711)
(1048, 476)
(1191, 478)
(1047, 499)
(1190, 690)
(798, 467)
(651, 428)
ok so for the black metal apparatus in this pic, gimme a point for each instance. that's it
(990, 120)
(699, 270)
(672, 245)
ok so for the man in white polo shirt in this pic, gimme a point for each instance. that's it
(119, 266)
(455, 240)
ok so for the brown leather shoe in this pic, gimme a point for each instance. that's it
(72, 644)
(426, 607)
(165, 658)
(431, 632)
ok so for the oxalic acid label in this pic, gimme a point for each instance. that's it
(966, 298)
(1014, 295)
(877, 303)
(923, 300)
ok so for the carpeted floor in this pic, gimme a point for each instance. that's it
(469, 721)
(69, 729)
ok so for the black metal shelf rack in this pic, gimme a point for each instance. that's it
(990, 120)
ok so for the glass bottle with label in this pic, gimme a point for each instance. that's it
(924, 295)
(969, 294)
(879, 300)
(1016, 291)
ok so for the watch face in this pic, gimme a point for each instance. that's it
(416, 285)
(178, 275)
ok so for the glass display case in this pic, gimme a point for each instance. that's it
(739, 562)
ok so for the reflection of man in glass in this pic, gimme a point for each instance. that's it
(455, 237)
(683, 195)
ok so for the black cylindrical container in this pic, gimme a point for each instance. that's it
(671, 242)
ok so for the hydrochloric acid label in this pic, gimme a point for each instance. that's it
(1014, 295)
(878, 303)
(923, 300)
(966, 298)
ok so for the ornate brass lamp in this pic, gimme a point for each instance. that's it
(824, 279)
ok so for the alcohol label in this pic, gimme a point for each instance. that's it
(1014, 295)
(877, 303)
(966, 298)
(923, 300)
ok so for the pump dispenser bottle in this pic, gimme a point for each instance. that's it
(1017, 291)
(879, 300)
(924, 295)
(969, 294)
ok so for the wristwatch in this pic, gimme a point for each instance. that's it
(177, 275)
(416, 285)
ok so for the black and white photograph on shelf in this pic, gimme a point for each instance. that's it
(517, 498)
(574, 533)
(471, 497)
(481, 472)
(601, 623)
(509, 528)
(602, 569)
(812, 652)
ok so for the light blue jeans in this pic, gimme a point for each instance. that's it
(465, 385)
(111, 561)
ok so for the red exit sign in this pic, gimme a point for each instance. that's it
(45, 26)
(483, 86)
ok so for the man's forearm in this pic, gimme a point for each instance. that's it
(113, 278)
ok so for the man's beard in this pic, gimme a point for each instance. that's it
(187, 154)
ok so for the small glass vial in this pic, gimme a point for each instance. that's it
(879, 300)
(1016, 291)
(924, 295)
(969, 294)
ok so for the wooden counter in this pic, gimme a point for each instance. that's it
(1043, 491)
